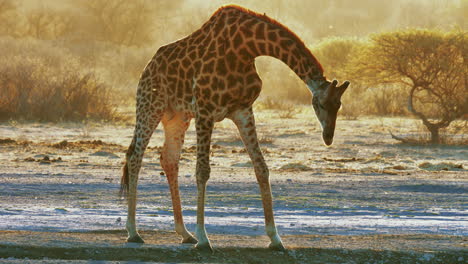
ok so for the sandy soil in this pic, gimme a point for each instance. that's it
(64, 178)
(164, 247)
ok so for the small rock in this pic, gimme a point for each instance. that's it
(243, 164)
(105, 154)
(295, 167)
(61, 144)
(7, 141)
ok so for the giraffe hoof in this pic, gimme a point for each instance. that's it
(189, 240)
(135, 239)
(277, 247)
(205, 247)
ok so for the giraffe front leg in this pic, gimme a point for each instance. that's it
(200, 231)
(204, 130)
(245, 122)
(270, 227)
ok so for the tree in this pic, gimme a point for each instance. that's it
(46, 23)
(122, 22)
(431, 65)
(8, 13)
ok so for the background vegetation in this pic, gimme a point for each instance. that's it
(78, 59)
(430, 67)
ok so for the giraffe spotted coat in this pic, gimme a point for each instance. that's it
(208, 76)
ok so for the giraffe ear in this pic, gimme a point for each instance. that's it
(330, 91)
(343, 87)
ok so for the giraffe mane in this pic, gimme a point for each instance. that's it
(269, 20)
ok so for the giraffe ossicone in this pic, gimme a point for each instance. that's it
(210, 75)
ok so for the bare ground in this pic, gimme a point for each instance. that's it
(164, 247)
(365, 199)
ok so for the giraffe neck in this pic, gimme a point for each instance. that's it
(281, 44)
(254, 35)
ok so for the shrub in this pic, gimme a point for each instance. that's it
(44, 83)
(430, 65)
(286, 109)
(281, 82)
(335, 54)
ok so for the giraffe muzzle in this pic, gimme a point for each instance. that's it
(327, 138)
(328, 133)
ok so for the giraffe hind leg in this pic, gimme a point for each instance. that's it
(148, 119)
(204, 130)
(174, 132)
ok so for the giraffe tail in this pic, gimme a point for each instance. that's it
(124, 181)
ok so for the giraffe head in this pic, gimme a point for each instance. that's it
(326, 102)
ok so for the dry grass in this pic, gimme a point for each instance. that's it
(442, 166)
(454, 135)
(266, 140)
(286, 109)
(425, 139)
(349, 112)
(47, 84)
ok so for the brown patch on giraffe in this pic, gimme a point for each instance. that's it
(262, 47)
(286, 44)
(237, 41)
(245, 54)
(221, 67)
(231, 60)
(217, 28)
(260, 32)
(232, 19)
(272, 36)
(246, 32)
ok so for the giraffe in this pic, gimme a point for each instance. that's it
(210, 75)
